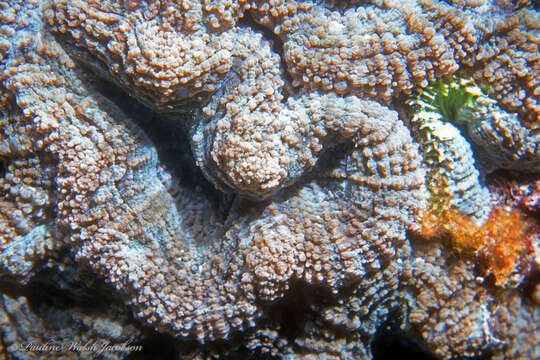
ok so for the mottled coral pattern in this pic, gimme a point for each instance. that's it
(294, 114)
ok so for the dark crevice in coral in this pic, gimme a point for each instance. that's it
(155, 346)
(392, 343)
(170, 139)
(277, 47)
(399, 103)
(3, 168)
(64, 283)
(506, 185)
(331, 157)
(293, 310)
(300, 306)
(531, 286)
(63, 287)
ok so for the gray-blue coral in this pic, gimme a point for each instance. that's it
(451, 165)
(499, 139)
(323, 178)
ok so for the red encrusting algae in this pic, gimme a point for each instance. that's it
(501, 245)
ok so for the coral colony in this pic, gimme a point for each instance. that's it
(269, 179)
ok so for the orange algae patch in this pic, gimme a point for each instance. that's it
(499, 245)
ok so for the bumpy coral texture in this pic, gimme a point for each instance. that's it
(500, 49)
(191, 273)
(255, 145)
(488, 323)
(499, 139)
(326, 176)
(452, 167)
(24, 329)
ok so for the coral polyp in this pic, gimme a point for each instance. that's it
(449, 96)
(499, 138)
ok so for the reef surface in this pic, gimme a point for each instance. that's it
(269, 179)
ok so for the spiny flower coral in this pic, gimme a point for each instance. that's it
(183, 270)
(452, 172)
(449, 97)
(498, 138)
(460, 207)
(288, 106)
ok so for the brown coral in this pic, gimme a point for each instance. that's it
(340, 174)
(371, 51)
(487, 324)
(166, 60)
(30, 331)
(193, 274)
(499, 47)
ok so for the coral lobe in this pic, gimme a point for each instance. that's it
(317, 194)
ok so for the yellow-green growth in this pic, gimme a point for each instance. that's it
(449, 96)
